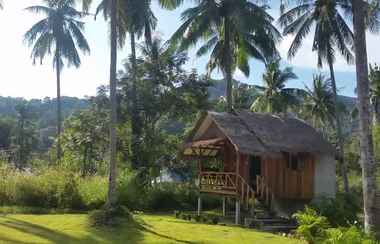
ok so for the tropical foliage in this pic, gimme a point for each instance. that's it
(319, 103)
(274, 96)
(233, 31)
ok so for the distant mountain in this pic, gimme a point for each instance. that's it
(218, 89)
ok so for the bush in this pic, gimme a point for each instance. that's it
(93, 191)
(161, 196)
(177, 214)
(312, 227)
(340, 211)
(198, 218)
(215, 220)
(51, 189)
(352, 235)
(109, 217)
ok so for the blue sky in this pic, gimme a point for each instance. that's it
(20, 78)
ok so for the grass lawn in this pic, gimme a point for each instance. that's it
(74, 228)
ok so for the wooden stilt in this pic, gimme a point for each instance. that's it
(224, 206)
(199, 206)
(237, 211)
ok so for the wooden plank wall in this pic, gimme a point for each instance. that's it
(288, 183)
(229, 156)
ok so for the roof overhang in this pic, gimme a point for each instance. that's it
(204, 148)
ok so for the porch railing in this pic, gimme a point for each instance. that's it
(222, 182)
(226, 183)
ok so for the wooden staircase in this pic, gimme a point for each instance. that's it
(257, 204)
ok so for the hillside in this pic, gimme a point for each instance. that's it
(43, 110)
(218, 89)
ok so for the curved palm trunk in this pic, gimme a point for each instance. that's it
(339, 134)
(136, 125)
(366, 143)
(112, 196)
(59, 108)
(228, 64)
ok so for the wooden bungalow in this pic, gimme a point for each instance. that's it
(281, 161)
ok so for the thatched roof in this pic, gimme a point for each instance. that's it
(258, 133)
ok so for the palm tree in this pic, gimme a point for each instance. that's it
(331, 33)
(363, 89)
(140, 20)
(374, 78)
(319, 102)
(61, 32)
(115, 10)
(112, 10)
(274, 97)
(233, 31)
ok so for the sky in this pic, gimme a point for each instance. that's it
(20, 78)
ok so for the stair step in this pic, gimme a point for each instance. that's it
(271, 224)
(273, 220)
(278, 228)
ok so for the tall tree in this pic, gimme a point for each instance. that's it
(25, 138)
(331, 33)
(366, 144)
(60, 33)
(140, 21)
(233, 31)
(114, 10)
(274, 97)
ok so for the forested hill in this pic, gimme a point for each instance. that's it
(218, 89)
(43, 110)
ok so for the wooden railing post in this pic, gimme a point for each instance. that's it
(237, 171)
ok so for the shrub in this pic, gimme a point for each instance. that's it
(51, 189)
(177, 214)
(312, 227)
(215, 220)
(161, 196)
(352, 235)
(198, 218)
(109, 217)
(340, 211)
(93, 191)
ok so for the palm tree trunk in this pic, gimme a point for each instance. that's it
(228, 64)
(148, 34)
(59, 108)
(366, 143)
(339, 134)
(136, 126)
(112, 196)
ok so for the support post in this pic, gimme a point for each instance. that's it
(237, 211)
(224, 206)
(199, 205)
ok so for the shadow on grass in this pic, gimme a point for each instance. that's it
(143, 226)
(131, 231)
(128, 231)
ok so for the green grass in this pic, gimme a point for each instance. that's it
(160, 229)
